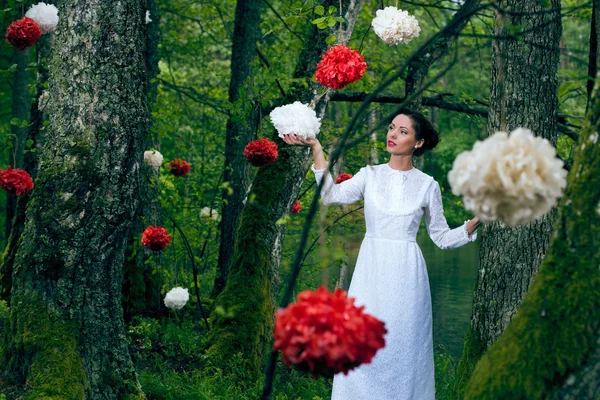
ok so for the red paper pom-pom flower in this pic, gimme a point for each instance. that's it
(296, 207)
(23, 33)
(156, 238)
(179, 167)
(261, 152)
(339, 67)
(325, 333)
(343, 177)
(16, 181)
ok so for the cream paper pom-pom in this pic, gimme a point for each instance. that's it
(296, 118)
(177, 298)
(153, 158)
(46, 16)
(148, 20)
(209, 212)
(395, 26)
(515, 179)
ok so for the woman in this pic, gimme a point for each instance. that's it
(390, 278)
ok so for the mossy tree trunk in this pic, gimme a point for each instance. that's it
(523, 94)
(247, 329)
(33, 134)
(551, 348)
(141, 287)
(67, 336)
(241, 129)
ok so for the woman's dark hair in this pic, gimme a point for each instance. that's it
(423, 130)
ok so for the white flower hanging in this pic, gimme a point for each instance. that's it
(209, 212)
(46, 16)
(153, 158)
(177, 298)
(395, 26)
(515, 179)
(296, 118)
(148, 20)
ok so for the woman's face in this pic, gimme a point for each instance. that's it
(401, 139)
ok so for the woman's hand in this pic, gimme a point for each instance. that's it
(473, 224)
(297, 140)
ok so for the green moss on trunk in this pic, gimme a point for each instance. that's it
(45, 343)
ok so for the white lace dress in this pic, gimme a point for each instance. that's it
(390, 278)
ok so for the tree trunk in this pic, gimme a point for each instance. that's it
(33, 133)
(551, 348)
(247, 294)
(419, 67)
(141, 287)
(594, 56)
(523, 94)
(20, 110)
(241, 129)
(66, 329)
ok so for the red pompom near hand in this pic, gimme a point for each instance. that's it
(261, 152)
(23, 33)
(156, 238)
(16, 181)
(296, 207)
(179, 167)
(325, 333)
(343, 177)
(339, 67)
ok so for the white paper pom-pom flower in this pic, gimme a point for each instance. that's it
(395, 26)
(153, 158)
(515, 179)
(296, 118)
(148, 20)
(46, 16)
(177, 298)
(209, 212)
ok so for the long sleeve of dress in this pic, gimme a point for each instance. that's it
(437, 227)
(346, 192)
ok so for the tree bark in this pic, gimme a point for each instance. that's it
(66, 329)
(523, 94)
(33, 133)
(141, 287)
(551, 348)
(241, 129)
(248, 292)
(594, 56)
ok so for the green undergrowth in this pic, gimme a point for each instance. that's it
(171, 365)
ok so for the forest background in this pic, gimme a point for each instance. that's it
(195, 103)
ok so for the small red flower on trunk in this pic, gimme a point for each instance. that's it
(325, 333)
(343, 177)
(156, 238)
(23, 33)
(296, 207)
(261, 152)
(16, 181)
(179, 167)
(339, 67)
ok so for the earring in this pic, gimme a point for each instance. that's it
(416, 147)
